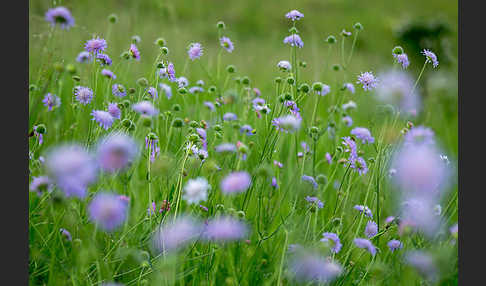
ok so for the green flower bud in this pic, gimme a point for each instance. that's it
(182, 90)
(113, 18)
(314, 129)
(303, 64)
(212, 89)
(317, 86)
(371, 160)
(125, 103)
(220, 25)
(219, 207)
(164, 50)
(125, 55)
(152, 136)
(160, 42)
(321, 179)
(331, 39)
(32, 87)
(278, 79)
(281, 98)
(339, 149)
(288, 96)
(160, 65)
(231, 69)
(194, 138)
(245, 80)
(176, 107)
(136, 39)
(71, 68)
(59, 67)
(397, 50)
(178, 122)
(358, 26)
(236, 125)
(142, 82)
(240, 214)
(41, 128)
(194, 124)
(238, 80)
(304, 88)
(290, 80)
(218, 128)
(293, 30)
(126, 123)
(131, 90)
(76, 78)
(336, 67)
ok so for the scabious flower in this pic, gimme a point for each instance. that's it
(182, 82)
(364, 209)
(402, 59)
(365, 244)
(171, 72)
(236, 182)
(202, 133)
(83, 57)
(166, 89)
(325, 90)
(419, 135)
(247, 129)
(363, 134)
(351, 148)
(278, 164)
(430, 57)
(225, 229)
(287, 123)
(66, 234)
(196, 89)
(310, 180)
(116, 152)
(418, 213)
(294, 15)
(134, 52)
(103, 118)
(51, 100)
(394, 245)
(229, 116)
(195, 51)
(284, 66)
(95, 45)
(210, 106)
(196, 190)
(368, 80)
(274, 183)
(350, 87)
(145, 108)
(114, 110)
(72, 169)
(103, 59)
(294, 40)
(348, 121)
(371, 229)
(152, 92)
(349, 105)
(83, 94)
(226, 43)
(226, 148)
(359, 164)
(423, 263)
(395, 88)
(40, 184)
(309, 267)
(152, 143)
(315, 201)
(118, 90)
(108, 73)
(60, 15)
(328, 158)
(332, 238)
(173, 235)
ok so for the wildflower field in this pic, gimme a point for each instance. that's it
(243, 143)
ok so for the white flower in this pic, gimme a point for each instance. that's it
(196, 190)
(350, 104)
(284, 65)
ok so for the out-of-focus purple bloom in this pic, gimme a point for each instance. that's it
(394, 245)
(274, 183)
(152, 209)
(200, 83)
(332, 237)
(363, 134)
(258, 103)
(284, 66)
(423, 263)
(236, 182)
(41, 184)
(51, 100)
(431, 57)
(365, 244)
(225, 229)
(83, 57)
(226, 148)
(396, 88)
(294, 40)
(359, 165)
(103, 59)
(247, 129)
(210, 105)
(418, 213)
(229, 116)
(371, 229)
(175, 234)
(294, 15)
(364, 209)
(60, 15)
(328, 158)
(103, 118)
(116, 152)
(420, 135)
(152, 143)
(311, 180)
(295, 247)
(171, 72)
(72, 169)
(454, 230)
(315, 201)
(202, 133)
(95, 45)
(145, 108)
(114, 110)
(196, 190)
(368, 80)
(203, 208)
(152, 92)
(402, 59)
(107, 211)
(195, 51)
(350, 87)
(278, 164)
(348, 121)
(108, 73)
(389, 219)
(83, 94)
(118, 90)
(182, 81)
(134, 52)
(196, 89)
(309, 267)
(287, 123)
(227, 44)
(66, 234)
(325, 90)
(166, 89)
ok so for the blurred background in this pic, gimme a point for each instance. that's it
(258, 27)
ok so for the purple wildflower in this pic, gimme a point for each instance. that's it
(108, 73)
(328, 158)
(325, 90)
(134, 52)
(274, 183)
(107, 211)
(51, 100)
(364, 209)
(40, 184)
(363, 134)
(420, 135)
(258, 103)
(365, 244)
(60, 15)
(418, 213)
(294, 15)
(350, 87)
(116, 152)
(83, 57)
(394, 245)
(229, 116)
(389, 219)
(195, 51)
(152, 92)
(371, 229)
(103, 59)
(423, 263)
(284, 66)
(103, 118)
(202, 133)
(225, 229)
(118, 90)
(351, 148)
(145, 108)
(226, 43)
(315, 201)
(66, 234)
(247, 129)
(294, 40)
(83, 94)
(287, 123)
(236, 182)
(430, 57)
(336, 242)
(311, 180)
(152, 143)
(309, 267)
(278, 164)
(402, 59)
(196, 89)
(166, 89)
(171, 72)
(114, 110)
(176, 234)
(95, 45)
(152, 209)
(226, 148)
(210, 105)
(182, 82)
(368, 80)
(359, 165)
(347, 120)
(396, 88)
